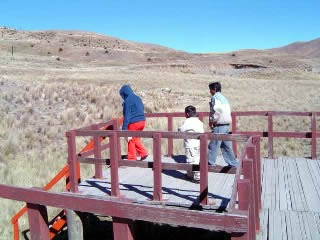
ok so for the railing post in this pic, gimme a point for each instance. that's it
(116, 127)
(247, 170)
(38, 222)
(314, 135)
(157, 167)
(234, 130)
(114, 165)
(243, 188)
(270, 135)
(72, 161)
(204, 169)
(254, 181)
(257, 141)
(170, 140)
(97, 154)
(200, 115)
(122, 229)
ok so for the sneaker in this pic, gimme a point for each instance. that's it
(143, 158)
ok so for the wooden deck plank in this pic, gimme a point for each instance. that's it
(315, 173)
(266, 191)
(309, 190)
(301, 203)
(290, 194)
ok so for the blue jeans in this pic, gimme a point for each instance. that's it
(225, 146)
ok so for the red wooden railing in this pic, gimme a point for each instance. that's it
(248, 185)
(64, 173)
(249, 160)
(270, 133)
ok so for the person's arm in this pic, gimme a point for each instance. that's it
(183, 127)
(126, 116)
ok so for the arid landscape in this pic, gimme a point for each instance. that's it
(53, 81)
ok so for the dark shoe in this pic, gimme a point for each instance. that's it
(191, 179)
(143, 158)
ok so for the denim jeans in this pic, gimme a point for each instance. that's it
(225, 146)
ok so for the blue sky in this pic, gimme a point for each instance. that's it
(190, 25)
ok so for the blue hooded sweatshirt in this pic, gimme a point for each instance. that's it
(133, 109)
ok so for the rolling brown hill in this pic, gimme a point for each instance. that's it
(309, 49)
(83, 49)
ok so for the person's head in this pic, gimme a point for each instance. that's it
(214, 87)
(125, 91)
(190, 111)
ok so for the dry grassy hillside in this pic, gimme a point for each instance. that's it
(42, 97)
(304, 49)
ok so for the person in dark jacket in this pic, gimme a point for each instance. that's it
(133, 119)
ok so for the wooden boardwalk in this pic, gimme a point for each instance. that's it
(177, 190)
(290, 194)
(290, 199)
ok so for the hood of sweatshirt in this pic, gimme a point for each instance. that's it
(125, 91)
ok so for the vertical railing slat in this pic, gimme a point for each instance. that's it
(234, 130)
(157, 168)
(116, 126)
(314, 136)
(204, 169)
(114, 165)
(72, 161)
(97, 154)
(170, 140)
(270, 135)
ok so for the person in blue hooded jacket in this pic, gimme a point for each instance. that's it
(133, 119)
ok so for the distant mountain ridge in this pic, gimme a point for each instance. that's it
(303, 49)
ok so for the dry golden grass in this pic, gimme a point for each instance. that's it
(40, 100)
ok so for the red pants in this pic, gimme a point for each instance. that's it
(134, 144)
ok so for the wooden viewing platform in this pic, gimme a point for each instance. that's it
(177, 190)
(265, 198)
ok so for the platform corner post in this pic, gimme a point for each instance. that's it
(248, 173)
(38, 221)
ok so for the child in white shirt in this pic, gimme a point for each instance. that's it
(192, 146)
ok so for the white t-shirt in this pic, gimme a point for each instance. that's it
(192, 124)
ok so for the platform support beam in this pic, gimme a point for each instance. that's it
(74, 223)
(38, 221)
(122, 229)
